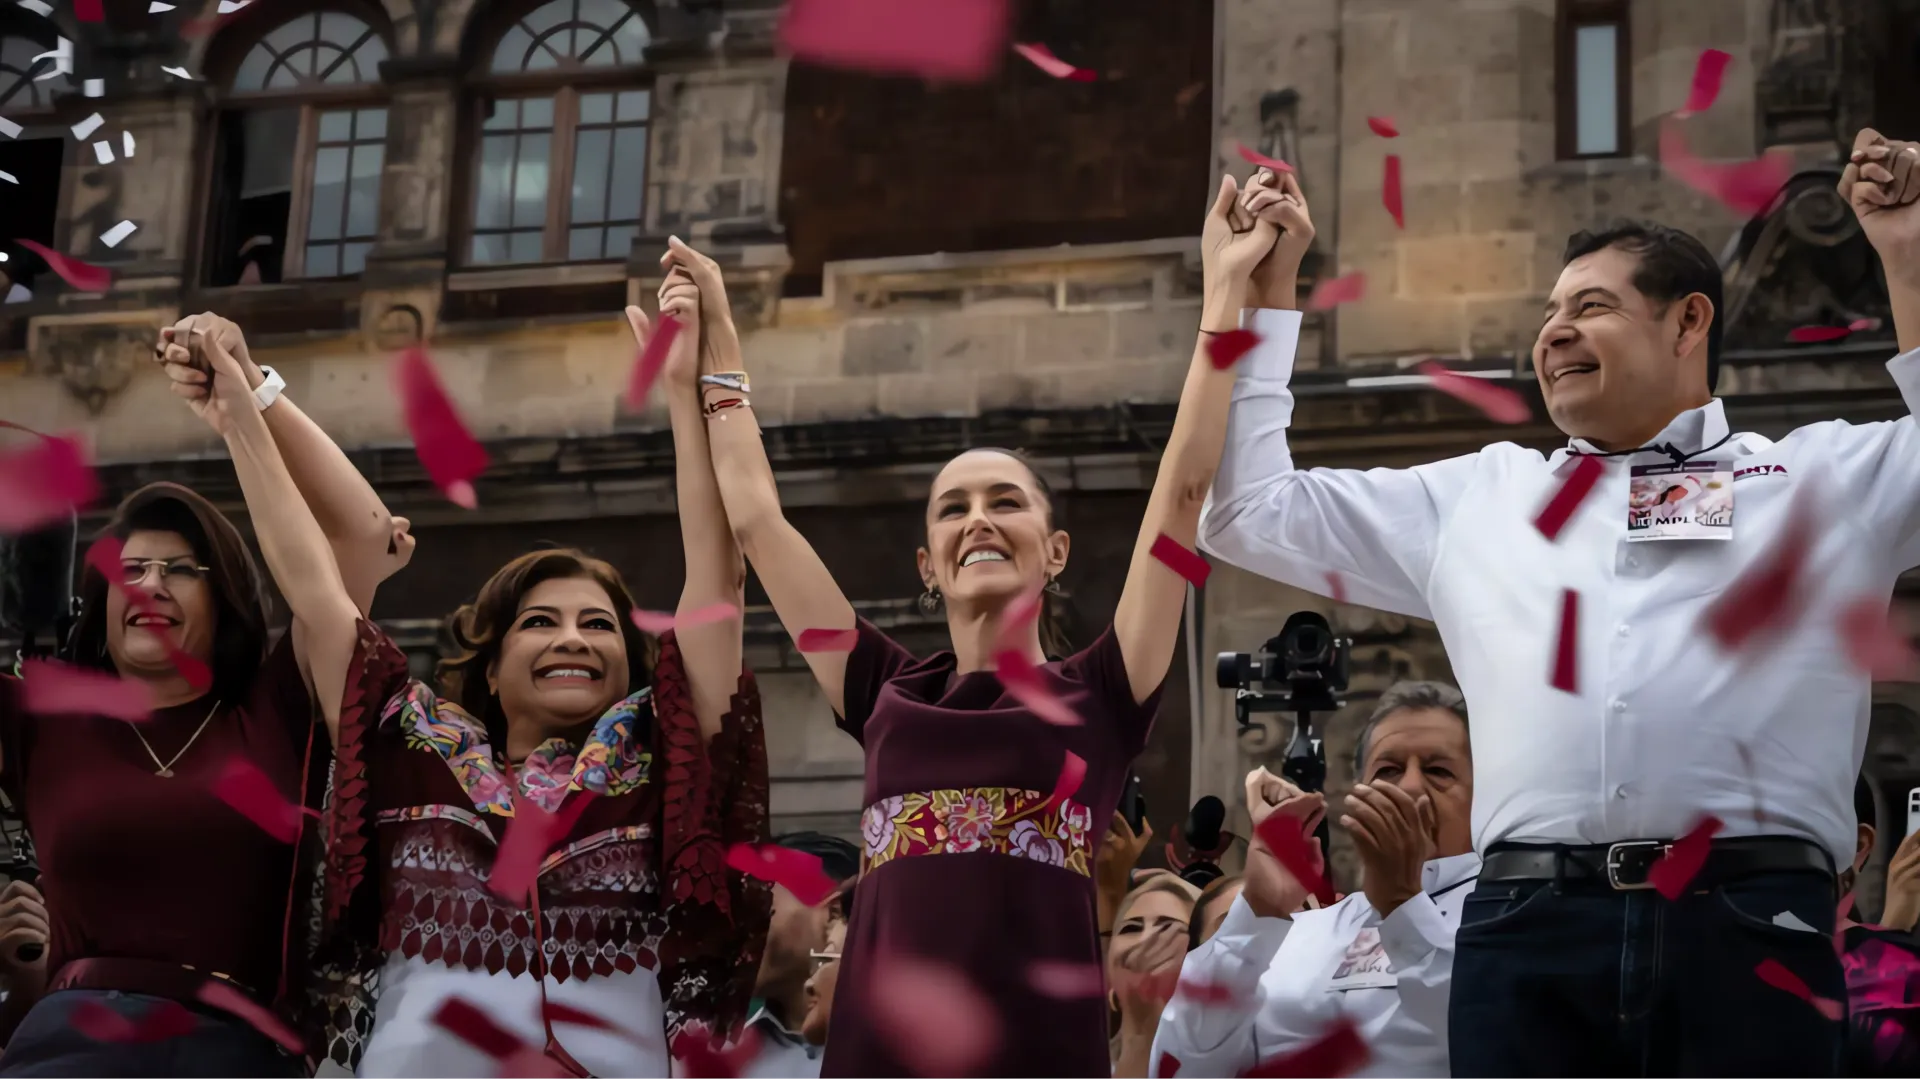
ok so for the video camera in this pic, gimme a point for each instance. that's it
(1301, 670)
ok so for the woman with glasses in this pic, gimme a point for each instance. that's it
(156, 887)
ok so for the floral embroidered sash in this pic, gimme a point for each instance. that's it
(1024, 824)
(610, 761)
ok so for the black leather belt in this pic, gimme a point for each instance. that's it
(1624, 865)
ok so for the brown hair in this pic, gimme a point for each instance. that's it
(1054, 606)
(476, 630)
(239, 590)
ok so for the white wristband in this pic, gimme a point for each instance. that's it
(269, 390)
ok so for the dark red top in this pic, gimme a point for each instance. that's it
(987, 914)
(147, 867)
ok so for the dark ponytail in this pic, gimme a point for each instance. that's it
(1054, 602)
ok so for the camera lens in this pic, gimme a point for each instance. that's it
(1309, 645)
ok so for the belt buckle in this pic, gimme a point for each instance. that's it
(1627, 855)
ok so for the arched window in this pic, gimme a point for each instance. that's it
(297, 183)
(561, 162)
(22, 85)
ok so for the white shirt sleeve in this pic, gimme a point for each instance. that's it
(1890, 467)
(1419, 944)
(1376, 528)
(1216, 1038)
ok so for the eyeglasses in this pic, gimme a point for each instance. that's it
(172, 571)
(821, 959)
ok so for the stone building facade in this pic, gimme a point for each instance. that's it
(917, 268)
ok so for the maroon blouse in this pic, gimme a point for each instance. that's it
(943, 883)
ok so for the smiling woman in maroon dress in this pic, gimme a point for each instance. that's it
(969, 864)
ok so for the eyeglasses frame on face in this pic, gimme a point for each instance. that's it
(146, 566)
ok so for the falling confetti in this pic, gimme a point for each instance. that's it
(8, 128)
(156, 7)
(1779, 976)
(469, 1023)
(94, 87)
(1766, 595)
(450, 454)
(83, 276)
(1181, 560)
(1810, 334)
(659, 622)
(1874, 645)
(1202, 993)
(179, 73)
(530, 835)
(1390, 190)
(1286, 838)
(103, 557)
(1566, 653)
(244, 787)
(699, 1059)
(49, 688)
(1383, 127)
(1587, 471)
(228, 7)
(798, 872)
(1043, 58)
(164, 1020)
(1708, 72)
(126, 144)
(88, 11)
(44, 483)
(37, 7)
(113, 236)
(1073, 771)
(1169, 1065)
(103, 152)
(1066, 980)
(227, 999)
(1336, 587)
(957, 40)
(816, 639)
(1226, 348)
(1331, 293)
(936, 1021)
(1747, 188)
(1681, 864)
(88, 126)
(1254, 157)
(651, 361)
(1499, 403)
(1339, 1052)
(1027, 686)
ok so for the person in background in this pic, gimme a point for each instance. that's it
(1882, 965)
(826, 968)
(795, 935)
(1143, 965)
(1902, 907)
(1211, 909)
(1114, 875)
(23, 923)
(1382, 957)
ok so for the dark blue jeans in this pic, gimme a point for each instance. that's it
(1586, 981)
(46, 1044)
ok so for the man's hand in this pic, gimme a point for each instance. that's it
(23, 921)
(1902, 910)
(1278, 199)
(178, 347)
(1227, 258)
(1882, 184)
(1394, 834)
(1272, 892)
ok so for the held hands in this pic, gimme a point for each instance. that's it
(23, 921)
(1882, 184)
(206, 360)
(1230, 247)
(1271, 891)
(719, 341)
(1394, 832)
(1277, 198)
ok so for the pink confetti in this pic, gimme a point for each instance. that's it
(447, 450)
(1861, 326)
(1873, 644)
(1500, 404)
(44, 483)
(796, 871)
(659, 622)
(1206, 993)
(529, 1063)
(165, 1020)
(651, 361)
(935, 1020)
(89, 11)
(49, 688)
(1255, 157)
(1072, 772)
(816, 639)
(1169, 1065)
(1333, 292)
(103, 555)
(1339, 1052)
(1806, 335)
(1766, 595)
(1779, 976)
(1016, 619)
(1708, 73)
(957, 40)
(1066, 980)
(1683, 860)
(83, 276)
(1300, 853)
(1566, 653)
(699, 1059)
(1027, 686)
(1390, 191)
(1226, 348)
(1383, 127)
(1043, 58)
(471, 1024)
(1178, 558)
(1336, 587)
(530, 835)
(1587, 471)
(244, 787)
(264, 1020)
(1746, 187)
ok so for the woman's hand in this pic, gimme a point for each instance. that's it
(1148, 975)
(1120, 849)
(23, 922)
(679, 298)
(1228, 257)
(206, 373)
(719, 340)
(1278, 200)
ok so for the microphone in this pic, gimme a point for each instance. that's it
(1195, 856)
(1203, 824)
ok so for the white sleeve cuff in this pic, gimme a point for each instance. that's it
(1279, 331)
(1248, 936)
(1414, 930)
(1905, 369)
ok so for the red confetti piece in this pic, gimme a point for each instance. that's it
(1333, 292)
(263, 1020)
(165, 1020)
(1683, 860)
(559, 1012)
(44, 483)
(83, 276)
(1226, 348)
(796, 871)
(1390, 191)
(815, 639)
(651, 360)
(532, 833)
(448, 451)
(1018, 617)
(1255, 157)
(1746, 187)
(1336, 587)
(1206, 993)
(54, 689)
(1066, 979)
(1072, 771)
(659, 622)
(1043, 58)
(1027, 686)
(960, 40)
(1811, 334)
(471, 1024)
(103, 555)
(1169, 1065)
(1499, 403)
(89, 10)
(1181, 560)
(1566, 651)
(1873, 644)
(935, 1020)
(1708, 73)
(699, 1058)
(1766, 594)
(1339, 1052)
(1860, 326)
(529, 1063)
(1780, 977)
(1587, 471)
(1383, 127)
(1298, 852)
(244, 787)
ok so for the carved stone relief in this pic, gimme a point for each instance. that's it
(94, 356)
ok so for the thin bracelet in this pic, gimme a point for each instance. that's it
(736, 381)
(727, 403)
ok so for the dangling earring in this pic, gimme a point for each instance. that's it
(1053, 587)
(930, 600)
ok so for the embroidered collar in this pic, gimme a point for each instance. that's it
(611, 761)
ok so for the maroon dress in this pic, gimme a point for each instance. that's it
(965, 863)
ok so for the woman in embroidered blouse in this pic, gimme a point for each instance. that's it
(968, 862)
(649, 760)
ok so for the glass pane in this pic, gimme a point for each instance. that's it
(372, 124)
(340, 29)
(523, 247)
(1596, 84)
(323, 260)
(329, 191)
(530, 181)
(596, 108)
(336, 126)
(253, 70)
(628, 191)
(619, 243)
(284, 77)
(633, 105)
(548, 16)
(536, 113)
(494, 191)
(293, 33)
(631, 38)
(590, 175)
(490, 249)
(337, 68)
(267, 152)
(363, 198)
(512, 50)
(543, 57)
(583, 244)
(353, 258)
(367, 58)
(505, 117)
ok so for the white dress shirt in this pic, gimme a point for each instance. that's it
(1653, 737)
(1285, 982)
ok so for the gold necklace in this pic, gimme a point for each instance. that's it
(166, 768)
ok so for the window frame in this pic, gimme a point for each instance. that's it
(1570, 16)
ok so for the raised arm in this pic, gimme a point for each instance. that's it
(1882, 184)
(711, 650)
(803, 592)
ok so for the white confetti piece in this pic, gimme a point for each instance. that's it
(94, 87)
(8, 128)
(103, 152)
(228, 7)
(8, 177)
(62, 55)
(126, 144)
(178, 73)
(88, 126)
(157, 7)
(113, 236)
(37, 7)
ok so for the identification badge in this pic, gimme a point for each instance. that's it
(1365, 966)
(1689, 501)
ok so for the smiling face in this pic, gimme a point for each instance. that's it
(1424, 751)
(177, 605)
(990, 534)
(562, 662)
(1615, 366)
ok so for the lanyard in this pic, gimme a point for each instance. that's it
(1657, 448)
(552, 1049)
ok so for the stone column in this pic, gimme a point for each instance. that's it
(407, 269)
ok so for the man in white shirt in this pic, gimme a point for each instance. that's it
(795, 934)
(1607, 721)
(1381, 958)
